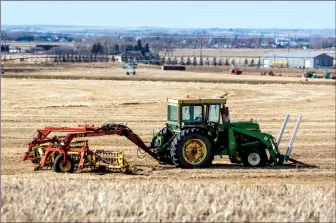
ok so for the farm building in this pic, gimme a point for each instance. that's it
(306, 60)
(15, 50)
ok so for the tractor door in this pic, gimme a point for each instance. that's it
(213, 119)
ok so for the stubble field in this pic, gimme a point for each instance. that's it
(224, 192)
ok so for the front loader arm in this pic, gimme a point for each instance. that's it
(265, 138)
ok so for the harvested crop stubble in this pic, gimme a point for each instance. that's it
(224, 192)
(107, 201)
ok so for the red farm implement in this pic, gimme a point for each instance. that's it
(64, 154)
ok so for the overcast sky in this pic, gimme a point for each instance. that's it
(176, 14)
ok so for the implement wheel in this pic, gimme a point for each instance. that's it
(60, 166)
(191, 149)
(254, 158)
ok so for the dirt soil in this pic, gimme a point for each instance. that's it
(306, 194)
(98, 71)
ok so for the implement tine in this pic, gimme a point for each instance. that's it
(303, 164)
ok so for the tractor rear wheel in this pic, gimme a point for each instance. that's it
(191, 148)
(127, 73)
(166, 133)
(60, 166)
(254, 158)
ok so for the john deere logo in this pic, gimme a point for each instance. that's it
(265, 138)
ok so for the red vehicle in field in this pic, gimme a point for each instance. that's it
(236, 71)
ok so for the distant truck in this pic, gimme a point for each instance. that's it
(236, 71)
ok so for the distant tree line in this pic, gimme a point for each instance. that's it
(162, 42)
(138, 47)
(4, 48)
(207, 62)
(97, 48)
(27, 36)
(77, 58)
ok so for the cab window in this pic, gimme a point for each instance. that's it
(213, 113)
(192, 113)
(172, 113)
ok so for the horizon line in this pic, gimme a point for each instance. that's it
(144, 26)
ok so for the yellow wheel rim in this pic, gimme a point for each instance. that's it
(194, 151)
(65, 167)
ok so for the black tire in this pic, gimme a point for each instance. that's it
(127, 73)
(166, 133)
(254, 158)
(58, 162)
(133, 72)
(177, 146)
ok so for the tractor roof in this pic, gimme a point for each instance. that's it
(189, 100)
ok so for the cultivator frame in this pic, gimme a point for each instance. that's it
(50, 148)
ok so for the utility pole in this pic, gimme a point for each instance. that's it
(173, 51)
(201, 47)
(194, 47)
(1, 44)
(105, 49)
(5, 48)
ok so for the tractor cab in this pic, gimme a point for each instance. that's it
(201, 113)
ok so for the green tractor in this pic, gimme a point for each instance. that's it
(199, 129)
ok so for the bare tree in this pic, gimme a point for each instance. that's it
(252, 63)
(169, 61)
(245, 62)
(214, 61)
(194, 62)
(188, 61)
(226, 62)
(182, 61)
(207, 62)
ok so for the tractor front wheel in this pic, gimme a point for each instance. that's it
(191, 149)
(60, 166)
(254, 158)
